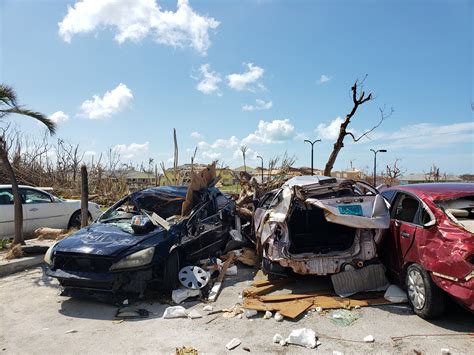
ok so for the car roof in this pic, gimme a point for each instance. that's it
(307, 180)
(178, 191)
(437, 190)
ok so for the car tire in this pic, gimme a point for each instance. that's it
(171, 271)
(272, 270)
(75, 220)
(425, 297)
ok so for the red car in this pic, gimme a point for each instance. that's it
(429, 247)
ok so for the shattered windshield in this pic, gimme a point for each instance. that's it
(163, 203)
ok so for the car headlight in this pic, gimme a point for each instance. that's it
(48, 255)
(140, 258)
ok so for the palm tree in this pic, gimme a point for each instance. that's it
(9, 105)
(244, 149)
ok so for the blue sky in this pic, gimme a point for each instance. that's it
(122, 74)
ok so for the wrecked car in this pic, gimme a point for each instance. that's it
(144, 239)
(316, 225)
(429, 248)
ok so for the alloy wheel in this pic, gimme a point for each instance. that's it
(416, 289)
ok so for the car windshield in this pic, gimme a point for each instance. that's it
(163, 204)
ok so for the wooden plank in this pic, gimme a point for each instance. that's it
(291, 296)
(218, 285)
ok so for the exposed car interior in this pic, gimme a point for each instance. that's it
(310, 232)
(406, 208)
(461, 211)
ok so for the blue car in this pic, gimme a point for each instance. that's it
(143, 240)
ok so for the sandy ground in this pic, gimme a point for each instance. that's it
(35, 319)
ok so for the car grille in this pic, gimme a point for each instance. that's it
(74, 262)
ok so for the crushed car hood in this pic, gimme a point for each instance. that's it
(102, 239)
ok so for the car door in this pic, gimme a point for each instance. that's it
(201, 239)
(7, 215)
(404, 227)
(42, 211)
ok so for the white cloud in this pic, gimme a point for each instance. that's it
(209, 80)
(248, 80)
(220, 143)
(330, 131)
(112, 102)
(211, 155)
(132, 150)
(259, 105)
(323, 79)
(136, 19)
(425, 136)
(276, 131)
(89, 153)
(59, 117)
(196, 135)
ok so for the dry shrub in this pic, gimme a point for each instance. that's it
(15, 252)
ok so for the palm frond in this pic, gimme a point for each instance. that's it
(7, 95)
(36, 115)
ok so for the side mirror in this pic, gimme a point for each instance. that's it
(142, 224)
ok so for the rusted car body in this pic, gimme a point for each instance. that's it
(318, 225)
(430, 245)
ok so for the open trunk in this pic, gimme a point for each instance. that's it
(310, 232)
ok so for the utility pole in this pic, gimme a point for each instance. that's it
(375, 162)
(258, 156)
(312, 153)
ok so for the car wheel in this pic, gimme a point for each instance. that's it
(75, 221)
(171, 271)
(426, 299)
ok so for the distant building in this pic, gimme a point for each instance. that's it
(137, 180)
(417, 178)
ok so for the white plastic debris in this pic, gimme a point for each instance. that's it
(267, 315)
(239, 316)
(175, 312)
(445, 351)
(233, 344)
(395, 294)
(283, 342)
(369, 339)
(71, 331)
(277, 338)
(180, 294)
(194, 314)
(278, 317)
(249, 313)
(125, 302)
(356, 307)
(319, 309)
(335, 352)
(207, 308)
(231, 271)
(304, 337)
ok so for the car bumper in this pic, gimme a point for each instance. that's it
(462, 292)
(125, 281)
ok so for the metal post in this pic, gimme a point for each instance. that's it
(375, 162)
(312, 153)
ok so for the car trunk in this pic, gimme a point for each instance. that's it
(310, 232)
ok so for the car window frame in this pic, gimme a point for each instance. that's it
(10, 191)
(416, 218)
(23, 191)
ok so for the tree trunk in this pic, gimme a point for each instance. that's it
(18, 206)
(84, 197)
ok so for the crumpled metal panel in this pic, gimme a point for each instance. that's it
(375, 211)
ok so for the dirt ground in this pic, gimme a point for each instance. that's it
(35, 319)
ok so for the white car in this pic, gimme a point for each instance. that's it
(41, 209)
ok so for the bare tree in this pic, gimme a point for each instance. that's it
(358, 98)
(434, 174)
(393, 172)
(244, 149)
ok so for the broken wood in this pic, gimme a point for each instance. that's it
(218, 285)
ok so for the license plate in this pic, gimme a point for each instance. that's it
(354, 210)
